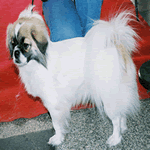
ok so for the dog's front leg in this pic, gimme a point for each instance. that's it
(59, 129)
(60, 114)
(60, 119)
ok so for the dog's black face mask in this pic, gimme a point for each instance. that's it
(20, 50)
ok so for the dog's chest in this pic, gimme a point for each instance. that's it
(34, 79)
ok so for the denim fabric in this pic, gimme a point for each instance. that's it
(65, 20)
(88, 10)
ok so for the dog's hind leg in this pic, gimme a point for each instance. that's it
(119, 127)
(113, 109)
(116, 137)
(114, 114)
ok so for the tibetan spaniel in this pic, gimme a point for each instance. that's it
(96, 68)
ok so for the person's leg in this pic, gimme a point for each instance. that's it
(88, 11)
(62, 19)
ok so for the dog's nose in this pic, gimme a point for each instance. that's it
(17, 53)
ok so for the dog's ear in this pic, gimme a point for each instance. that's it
(39, 57)
(39, 35)
(9, 38)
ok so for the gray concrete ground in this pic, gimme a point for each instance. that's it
(88, 130)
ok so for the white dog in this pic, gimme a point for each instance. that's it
(97, 67)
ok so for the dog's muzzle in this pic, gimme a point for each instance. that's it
(18, 58)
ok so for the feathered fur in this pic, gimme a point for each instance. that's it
(109, 48)
(97, 67)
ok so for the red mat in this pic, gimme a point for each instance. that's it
(14, 101)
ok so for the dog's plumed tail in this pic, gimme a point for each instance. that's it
(116, 32)
(109, 66)
(121, 33)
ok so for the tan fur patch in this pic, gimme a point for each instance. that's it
(125, 54)
(11, 30)
(31, 25)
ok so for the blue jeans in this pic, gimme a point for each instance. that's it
(65, 20)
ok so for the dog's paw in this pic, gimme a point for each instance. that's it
(56, 139)
(113, 140)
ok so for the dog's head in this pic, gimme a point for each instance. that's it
(27, 38)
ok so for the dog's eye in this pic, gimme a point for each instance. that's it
(26, 47)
